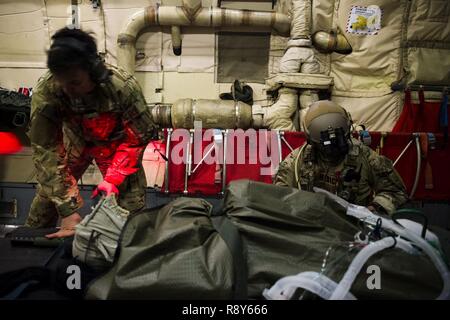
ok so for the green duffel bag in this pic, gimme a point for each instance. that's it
(288, 231)
(265, 233)
(173, 253)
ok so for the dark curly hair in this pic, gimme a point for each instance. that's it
(71, 48)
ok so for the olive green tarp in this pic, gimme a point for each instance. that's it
(176, 252)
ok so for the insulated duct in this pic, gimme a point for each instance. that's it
(301, 19)
(279, 115)
(299, 49)
(306, 98)
(213, 114)
(298, 58)
(328, 42)
(190, 16)
(228, 114)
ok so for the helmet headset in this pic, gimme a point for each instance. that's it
(96, 67)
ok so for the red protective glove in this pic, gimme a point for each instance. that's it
(124, 163)
(105, 187)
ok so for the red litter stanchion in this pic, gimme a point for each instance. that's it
(25, 91)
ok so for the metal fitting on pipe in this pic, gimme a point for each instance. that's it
(331, 42)
(161, 115)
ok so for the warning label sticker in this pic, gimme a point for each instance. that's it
(364, 20)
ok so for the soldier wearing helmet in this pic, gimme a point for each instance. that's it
(332, 160)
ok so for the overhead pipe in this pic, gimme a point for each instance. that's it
(228, 114)
(298, 58)
(213, 114)
(192, 16)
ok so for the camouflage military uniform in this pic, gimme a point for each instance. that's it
(364, 177)
(111, 126)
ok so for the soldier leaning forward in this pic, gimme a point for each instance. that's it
(83, 110)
